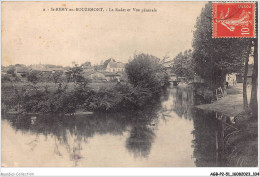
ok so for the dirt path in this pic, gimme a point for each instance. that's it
(230, 105)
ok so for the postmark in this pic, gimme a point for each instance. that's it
(233, 20)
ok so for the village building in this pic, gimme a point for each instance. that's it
(47, 68)
(231, 79)
(101, 76)
(111, 65)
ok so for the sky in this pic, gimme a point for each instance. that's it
(33, 36)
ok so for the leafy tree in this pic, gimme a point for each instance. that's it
(147, 72)
(87, 63)
(183, 65)
(216, 57)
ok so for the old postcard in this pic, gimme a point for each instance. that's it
(129, 84)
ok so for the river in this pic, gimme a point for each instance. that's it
(172, 133)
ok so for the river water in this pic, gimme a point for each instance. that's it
(172, 133)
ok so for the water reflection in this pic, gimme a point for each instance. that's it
(140, 141)
(170, 133)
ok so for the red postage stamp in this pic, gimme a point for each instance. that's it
(233, 19)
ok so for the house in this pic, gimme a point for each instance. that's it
(231, 79)
(111, 65)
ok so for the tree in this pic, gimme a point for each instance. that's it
(11, 71)
(183, 65)
(245, 102)
(147, 72)
(253, 100)
(86, 64)
(33, 77)
(74, 74)
(216, 57)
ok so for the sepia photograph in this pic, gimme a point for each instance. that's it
(129, 84)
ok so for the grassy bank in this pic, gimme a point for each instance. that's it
(71, 98)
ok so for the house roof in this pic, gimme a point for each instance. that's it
(108, 61)
(113, 63)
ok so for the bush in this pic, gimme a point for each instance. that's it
(43, 101)
(33, 77)
(119, 98)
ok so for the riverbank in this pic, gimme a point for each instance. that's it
(230, 105)
(241, 144)
(8, 86)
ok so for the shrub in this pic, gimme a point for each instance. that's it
(119, 98)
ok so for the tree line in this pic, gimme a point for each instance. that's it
(213, 58)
